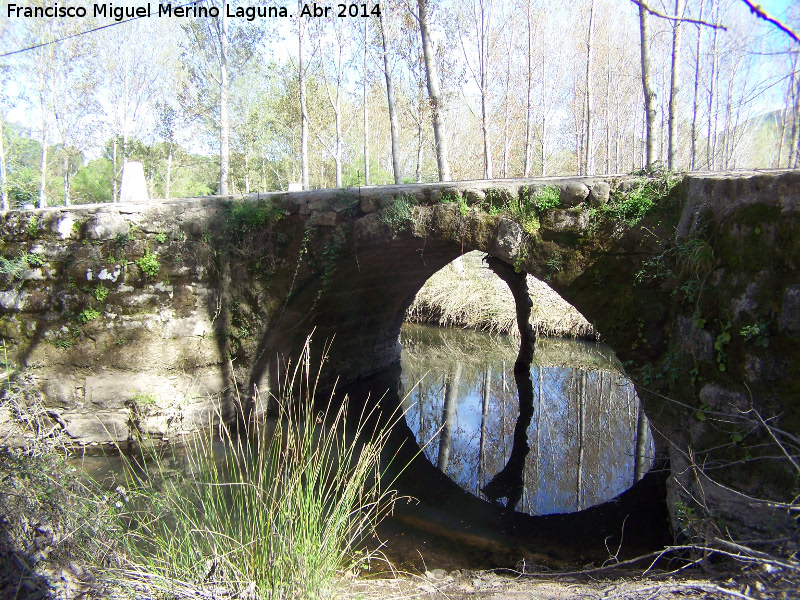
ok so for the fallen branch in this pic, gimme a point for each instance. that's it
(708, 588)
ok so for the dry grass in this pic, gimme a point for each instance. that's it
(475, 298)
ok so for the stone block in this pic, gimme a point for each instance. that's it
(100, 427)
(474, 196)
(789, 320)
(64, 226)
(12, 300)
(599, 193)
(572, 193)
(59, 393)
(195, 325)
(508, 240)
(323, 219)
(107, 225)
(565, 221)
(367, 205)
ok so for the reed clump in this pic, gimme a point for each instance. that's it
(278, 511)
(276, 508)
(472, 297)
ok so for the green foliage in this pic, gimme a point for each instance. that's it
(723, 339)
(248, 231)
(123, 239)
(449, 197)
(631, 206)
(697, 254)
(101, 292)
(399, 212)
(248, 216)
(92, 183)
(758, 332)
(144, 398)
(89, 314)
(700, 415)
(530, 205)
(161, 238)
(149, 264)
(14, 269)
(542, 199)
(63, 343)
(33, 227)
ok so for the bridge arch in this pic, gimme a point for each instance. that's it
(371, 268)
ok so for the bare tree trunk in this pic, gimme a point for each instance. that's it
(246, 172)
(43, 169)
(528, 116)
(618, 131)
(606, 116)
(434, 94)
(544, 124)
(224, 125)
(793, 99)
(303, 111)
(448, 418)
(419, 151)
(693, 157)
(780, 132)
(506, 116)
(590, 95)
(339, 137)
(487, 145)
(65, 166)
(711, 141)
(394, 127)
(114, 186)
(366, 109)
(674, 88)
(647, 87)
(169, 171)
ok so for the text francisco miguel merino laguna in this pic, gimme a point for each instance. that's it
(118, 13)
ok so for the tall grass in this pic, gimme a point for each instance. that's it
(475, 298)
(279, 515)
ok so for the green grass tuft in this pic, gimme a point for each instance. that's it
(279, 515)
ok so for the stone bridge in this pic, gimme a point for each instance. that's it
(137, 315)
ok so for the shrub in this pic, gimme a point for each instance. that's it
(631, 206)
(398, 213)
(149, 264)
(101, 293)
(530, 204)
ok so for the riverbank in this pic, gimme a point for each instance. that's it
(466, 294)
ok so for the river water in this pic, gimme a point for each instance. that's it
(474, 495)
(586, 442)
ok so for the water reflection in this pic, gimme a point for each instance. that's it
(587, 439)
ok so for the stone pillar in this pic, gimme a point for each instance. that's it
(134, 186)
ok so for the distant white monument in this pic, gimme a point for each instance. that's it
(134, 186)
(295, 187)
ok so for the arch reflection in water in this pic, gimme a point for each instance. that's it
(588, 440)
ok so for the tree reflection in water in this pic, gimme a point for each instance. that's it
(585, 419)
